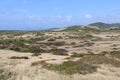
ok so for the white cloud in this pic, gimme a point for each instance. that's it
(88, 16)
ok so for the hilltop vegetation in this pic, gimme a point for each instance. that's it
(106, 25)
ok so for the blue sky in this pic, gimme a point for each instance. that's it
(42, 14)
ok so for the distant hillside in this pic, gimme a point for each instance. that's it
(91, 27)
(69, 28)
(105, 25)
(82, 29)
(73, 28)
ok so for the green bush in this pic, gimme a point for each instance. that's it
(77, 55)
(59, 52)
(100, 59)
(72, 67)
(88, 36)
(85, 65)
(33, 49)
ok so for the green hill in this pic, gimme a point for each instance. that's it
(105, 25)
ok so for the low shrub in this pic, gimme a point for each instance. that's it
(73, 43)
(89, 44)
(38, 63)
(85, 65)
(1, 71)
(55, 43)
(59, 52)
(34, 49)
(2, 47)
(71, 67)
(100, 59)
(88, 36)
(115, 54)
(16, 57)
(77, 54)
(36, 54)
(5, 74)
(51, 39)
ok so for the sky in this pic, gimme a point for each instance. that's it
(43, 14)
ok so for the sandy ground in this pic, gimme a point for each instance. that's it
(24, 71)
